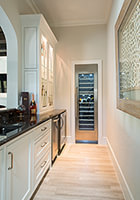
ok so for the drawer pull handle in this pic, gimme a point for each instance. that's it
(43, 164)
(43, 129)
(44, 144)
(11, 154)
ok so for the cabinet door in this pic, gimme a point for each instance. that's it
(43, 70)
(30, 45)
(50, 77)
(19, 169)
(1, 176)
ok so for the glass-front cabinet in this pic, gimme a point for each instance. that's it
(51, 77)
(38, 60)
(44, 66)
(47, 65)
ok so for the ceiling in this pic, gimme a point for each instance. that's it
(73, 12)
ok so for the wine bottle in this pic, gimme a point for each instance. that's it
(33, 107)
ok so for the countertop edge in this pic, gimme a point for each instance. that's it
(49, 115)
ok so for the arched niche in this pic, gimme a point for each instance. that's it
(12, 60)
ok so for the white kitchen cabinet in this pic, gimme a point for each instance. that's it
(18, 169)
(24, 161)
(2, 174)
(42, 151)
(38, 55)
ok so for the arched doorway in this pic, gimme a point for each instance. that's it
(12, 60)
(3, 70)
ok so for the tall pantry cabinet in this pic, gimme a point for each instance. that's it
(38, 43)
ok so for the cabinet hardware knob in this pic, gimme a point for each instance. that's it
(43, 144)
(43, 164)
(43, 129)
(12, 157)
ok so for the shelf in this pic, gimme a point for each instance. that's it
(86, 102)
(86, 129)
(88, 93)
(3, 50)
(85, 78)
(86, 108)
(86, 87)
(90, 120)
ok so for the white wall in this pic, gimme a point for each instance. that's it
(122, 129)
(76, 43)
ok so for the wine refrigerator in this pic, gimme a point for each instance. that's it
(86, 107)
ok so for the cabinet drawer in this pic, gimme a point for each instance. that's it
(41, 129)
(41, 167)
(41, 146)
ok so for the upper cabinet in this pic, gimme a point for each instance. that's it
(38, 43)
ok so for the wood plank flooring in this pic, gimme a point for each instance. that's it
(82, 172)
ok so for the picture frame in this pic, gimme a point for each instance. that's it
(127, 46)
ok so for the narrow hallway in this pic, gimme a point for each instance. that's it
(82, 172)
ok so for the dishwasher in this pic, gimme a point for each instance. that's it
(55, 134)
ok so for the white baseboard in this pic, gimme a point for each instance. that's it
(69, 140)
(125, 188)
(102, 141)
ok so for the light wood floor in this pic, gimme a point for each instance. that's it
(82, 172)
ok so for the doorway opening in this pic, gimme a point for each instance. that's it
(101, 137)
(8, 63)
(3, 70)
(86, 103)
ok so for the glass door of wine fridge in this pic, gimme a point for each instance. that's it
(86, 108)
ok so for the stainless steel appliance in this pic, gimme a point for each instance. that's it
(86, 108)
(62, 132)
(55, 133)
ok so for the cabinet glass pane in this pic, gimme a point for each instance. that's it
(44, 93)
(86, 101)
(50, 96)
(43, 57)
(51, 58)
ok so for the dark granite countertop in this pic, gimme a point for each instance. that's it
(25, 123)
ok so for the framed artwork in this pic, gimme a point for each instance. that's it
(127, 44)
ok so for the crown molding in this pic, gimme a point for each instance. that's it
(69, 23)
(33, 6)
(78, 23)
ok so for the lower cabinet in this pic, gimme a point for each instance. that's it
(18, 169)
(42, 151)
(23, 163)
(1, 175)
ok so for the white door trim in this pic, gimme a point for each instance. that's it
(101, 139)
